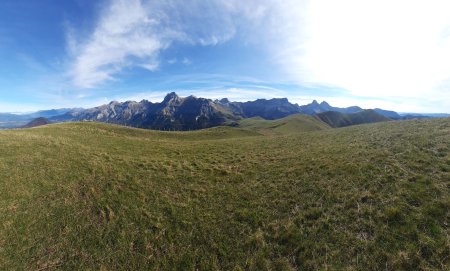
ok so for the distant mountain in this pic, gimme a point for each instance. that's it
(423, 115)
(315, 108)
(436, 115)
(37, 122)
(52, 112)
(9, 120)
(389, 114)
(338, 119)
(414, 116)
(268, 109)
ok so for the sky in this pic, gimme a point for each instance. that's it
(390, 54)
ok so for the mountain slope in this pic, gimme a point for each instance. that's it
(91, 196)
(316, 108)
(337, 119)
(389, 114)
(268, 109)
(37, 122)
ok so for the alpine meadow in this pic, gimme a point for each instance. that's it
(104, 197)
(258, 135)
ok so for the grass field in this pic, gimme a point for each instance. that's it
(89, 196)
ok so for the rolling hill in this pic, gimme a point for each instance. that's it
(292, 124)
(93, 196)
(337, 119)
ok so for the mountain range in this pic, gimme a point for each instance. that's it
(192, 113)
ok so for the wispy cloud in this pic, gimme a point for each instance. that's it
(132, 33)
(186, 61)
(172, 61)
(124, 31)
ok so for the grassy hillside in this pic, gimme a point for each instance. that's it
(89, 196)
(337, 119)
(289, 125)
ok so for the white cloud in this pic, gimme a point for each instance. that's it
(132, 33)
(124, 31)
(172, 61)
(186, 61)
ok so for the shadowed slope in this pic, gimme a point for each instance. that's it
(37, 122)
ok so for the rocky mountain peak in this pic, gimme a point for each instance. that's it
(171, 98)
(281, 100)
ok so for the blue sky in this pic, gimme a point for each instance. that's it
(83, 53)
